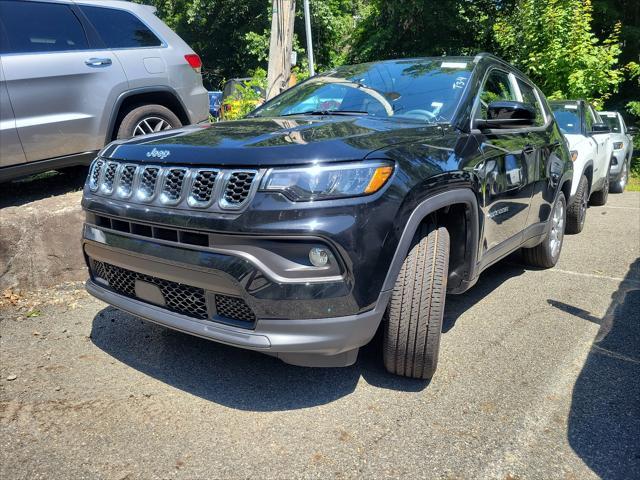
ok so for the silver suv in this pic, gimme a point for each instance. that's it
(77, 74)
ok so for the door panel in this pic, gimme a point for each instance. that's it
(508, 163)
(61, 104)
(11, 152)
(61, 90)
(507, 186)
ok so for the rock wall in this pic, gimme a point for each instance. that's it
(40, 243)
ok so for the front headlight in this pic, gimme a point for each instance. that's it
(618, 145)
(328, 181)
(574, 155)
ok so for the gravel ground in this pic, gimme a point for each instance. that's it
(539, 377)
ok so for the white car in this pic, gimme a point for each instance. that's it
(591, 150)
(622, 139)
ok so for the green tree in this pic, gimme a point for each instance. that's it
(554, 44)
(425, 27)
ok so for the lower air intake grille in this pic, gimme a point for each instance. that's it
(234, 308)
(179, 298)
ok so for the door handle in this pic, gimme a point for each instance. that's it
(98, 62)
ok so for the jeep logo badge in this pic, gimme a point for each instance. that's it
(161, 154)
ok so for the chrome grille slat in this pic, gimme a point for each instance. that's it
(238, 188)
(95, 174)
(204, 182)
(147, 183)
(125, 182)
(175, 186)
(109, 178)
(174, 179)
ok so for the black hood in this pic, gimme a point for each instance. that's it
(273, 141)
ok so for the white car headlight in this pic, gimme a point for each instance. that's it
(618, 145)
(328, 181)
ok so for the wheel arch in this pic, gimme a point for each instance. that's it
(588, 172)
(439, 207)
(161, 95)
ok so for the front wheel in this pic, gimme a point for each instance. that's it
(619, 185)
(413, 320)
(547, 253)
(577, 210)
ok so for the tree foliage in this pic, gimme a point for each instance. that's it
(553, 42)
(566, 48)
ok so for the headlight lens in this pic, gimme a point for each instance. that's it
(617, 145)
(574, 155)
(328, 181)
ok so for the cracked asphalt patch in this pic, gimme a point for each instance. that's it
(539, 377)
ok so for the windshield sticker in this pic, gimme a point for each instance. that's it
(456, 65)
(460, 82)
(571, 107)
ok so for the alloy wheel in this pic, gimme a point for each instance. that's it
(557, 229)
(150, 125)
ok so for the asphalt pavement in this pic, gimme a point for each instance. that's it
(539, 378)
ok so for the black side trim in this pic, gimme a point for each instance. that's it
(430, 205)
(30, 168)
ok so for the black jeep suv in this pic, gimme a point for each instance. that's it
(356, 199)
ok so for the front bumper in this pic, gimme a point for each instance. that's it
(314, 323)
(325, 342)
(618, 159)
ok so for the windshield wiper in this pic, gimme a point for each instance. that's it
(327, 112)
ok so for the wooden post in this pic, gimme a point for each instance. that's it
(280, 46)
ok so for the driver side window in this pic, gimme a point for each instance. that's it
(496, 87)
(589, 120)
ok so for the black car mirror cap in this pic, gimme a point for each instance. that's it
(632, 130)
(600, 128)
(508, 114)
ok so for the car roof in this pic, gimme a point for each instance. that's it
(122, 4)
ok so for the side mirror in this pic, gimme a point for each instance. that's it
(599, 128)
(632, 130)
(508, 114)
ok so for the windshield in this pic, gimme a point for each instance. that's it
(568, 117)
(426, 90)
(611, 119)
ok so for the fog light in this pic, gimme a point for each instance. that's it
(319, 257)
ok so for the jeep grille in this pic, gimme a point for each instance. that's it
(178, 187)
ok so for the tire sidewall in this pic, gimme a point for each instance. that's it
(137, 114)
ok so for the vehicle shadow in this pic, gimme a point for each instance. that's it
(489, 280)
(604, 421)
(36, 187)
(231, 376)
(253, 381)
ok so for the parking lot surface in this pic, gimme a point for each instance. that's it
(539, 377)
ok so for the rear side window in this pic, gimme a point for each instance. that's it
(529, 96)
(120, 29)
(40, 27)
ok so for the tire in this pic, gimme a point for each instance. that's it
(621, 183)
(156, 116)
(577, 211)
(413, 320)
(600, 197)
(547, 253)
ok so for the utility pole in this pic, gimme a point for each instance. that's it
(280, 46)
(307, 27)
